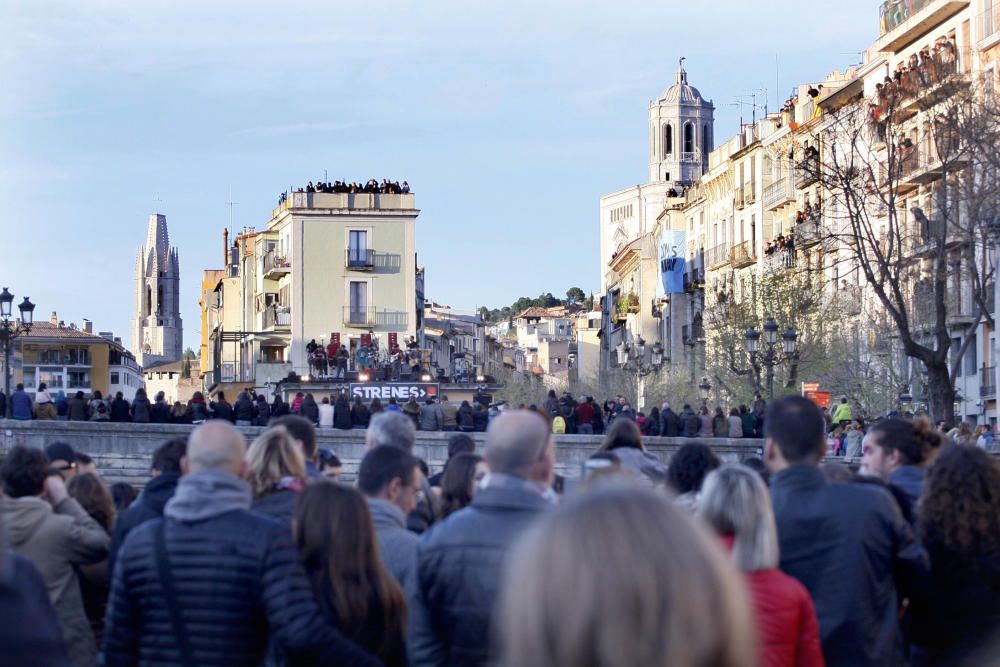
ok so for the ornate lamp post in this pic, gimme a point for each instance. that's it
(643, 360)
(704, 387)
(771, 357)
(10, 329)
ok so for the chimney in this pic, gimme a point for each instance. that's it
(88, 326)
(225, 247)
(54, 320)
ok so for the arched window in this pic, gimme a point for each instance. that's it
(706, 140)
(149, 301)
(159, 300)
(668, 140)
(688, 137)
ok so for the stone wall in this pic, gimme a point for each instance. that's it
(123, 451)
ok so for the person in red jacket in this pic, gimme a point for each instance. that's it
(735, 503)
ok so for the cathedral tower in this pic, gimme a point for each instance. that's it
(680, 133)
(157, 331)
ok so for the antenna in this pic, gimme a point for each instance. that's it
(231, 204)
(156, 202)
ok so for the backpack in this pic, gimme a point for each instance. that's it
(558, 425)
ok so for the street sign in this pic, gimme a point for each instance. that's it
(809, 386)
(401, 391)
(820, 398)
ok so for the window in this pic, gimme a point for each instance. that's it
(359, 301)
(706, 141)
(28, 378)
(159, 301)
(688, 137)
(668, 139)
(357, 247)
(79, 380)
(115, 378)
(971, 362)
(149, 301)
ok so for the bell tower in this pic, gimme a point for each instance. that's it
(157, 330)
(681, 133)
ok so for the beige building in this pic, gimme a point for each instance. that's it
(326, 267)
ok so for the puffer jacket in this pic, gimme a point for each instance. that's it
(279, 505)
(237, 581)
(140, 409)
(30, 634)
(431, 418)
(78, 410)
(787, 631)
(458, 578)
(243, 409)
(149, 506)
(56, 541)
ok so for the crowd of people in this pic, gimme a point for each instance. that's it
(237, 555)
(373, 186)
(780, 243)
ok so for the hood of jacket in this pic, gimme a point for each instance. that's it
(207, 494)
(160, 490)
(23, 516)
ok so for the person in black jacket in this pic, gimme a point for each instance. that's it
(276, 474)
(279, 408)
(166, 472)
(244, 410)
(141, 407)
(263, 411)
(211, 583)
(669, 422)
(480, 418)
(848, 544)
(466, 418)
(309, 409)
(30, 634)
(957, 618)
(459, 560)
(359, 413)
(221, 409)
(120, 411)
(159, 412)
(342, 413)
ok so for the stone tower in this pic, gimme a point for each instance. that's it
(157, 331)
(680, 133)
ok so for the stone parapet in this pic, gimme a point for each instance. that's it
(123, 451)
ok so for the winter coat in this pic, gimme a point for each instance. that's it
(431, 418)
(735, 427)
(309, 410)
(848, 544)
(279, 505)
(147, 507)
(237, 581)
(458, 578)
(222, 410)
(141, 409)
(279, 408)
(909, 479)
(787, 630)
(371, 634)
(651, 426)
(749, 423)
(99, 410)
(159, 412)
(585, 413)
(705, 429)
(465, 419)
(720, 427)
(57, 540)
(325, 415)
(686, 420)
(669, 424)
(197, 411)
(412, 410)
(120, 410)
(30, 634)
(642, 463)
(449, 415)
(855, 439)
(396, 544)
(244, 409)
(263, 414)
(297, 404)
(342, 415)
(480, 419)
(842, 413)
(359, 415)
(78, 410)
(20, 405)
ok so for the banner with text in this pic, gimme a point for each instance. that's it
(401, 391)
(672, 263)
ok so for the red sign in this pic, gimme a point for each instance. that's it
(393, 343)
(820, 398)
(809, 386)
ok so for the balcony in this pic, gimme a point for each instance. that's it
(742, 254)
(923, 88)
(902, 23)
(718, 256)
(692, 333)
(371, 317)
(779, 193)
(990, 24)
(740, 200)
(807, 171)
(276, 265)
(808, 233)
(276, 317)
(359, 259)
(931, 233)
(779, 260)
(988, 382)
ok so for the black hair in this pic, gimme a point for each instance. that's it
(690, 466)
(301, 429)
(328, 459)
(797, 427)
(901, 435)
(383, 464)
(24, 471)
(123, 494)
(459, 443)
(83, 459)
(167, 457)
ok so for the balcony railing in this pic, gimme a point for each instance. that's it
(807, 171)
(717, 256)
(988, 382)
(276, 265)
(779, 260)
(742, 254)
(277, 318)
(371, 317)
(808, 233)
(780, 192)
(903, 22)
(361, 259)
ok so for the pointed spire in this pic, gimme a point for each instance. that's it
(157, 239)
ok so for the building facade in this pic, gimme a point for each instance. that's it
(157, 329)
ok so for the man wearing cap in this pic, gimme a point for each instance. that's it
(62, 460)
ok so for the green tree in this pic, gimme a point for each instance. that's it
(575, 295)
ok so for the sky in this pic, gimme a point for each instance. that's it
(509, 120)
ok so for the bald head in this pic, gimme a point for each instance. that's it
(519, 443)
(216, 445)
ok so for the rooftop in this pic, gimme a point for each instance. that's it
(345, 201)
(49, 331)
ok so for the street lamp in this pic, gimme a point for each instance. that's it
(704, 387)
(11, 329)
(770, 355)
(635, 359)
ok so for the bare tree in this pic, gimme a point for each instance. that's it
(910, 188)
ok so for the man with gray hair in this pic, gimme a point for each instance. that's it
(391, 428)
(451, 598)
(212, 582)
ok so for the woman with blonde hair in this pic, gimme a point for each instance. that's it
(637, 585)
(735, 503)
(276, 473)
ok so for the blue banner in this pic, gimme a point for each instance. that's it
(672, 262)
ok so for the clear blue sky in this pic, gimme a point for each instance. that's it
(509, 120)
